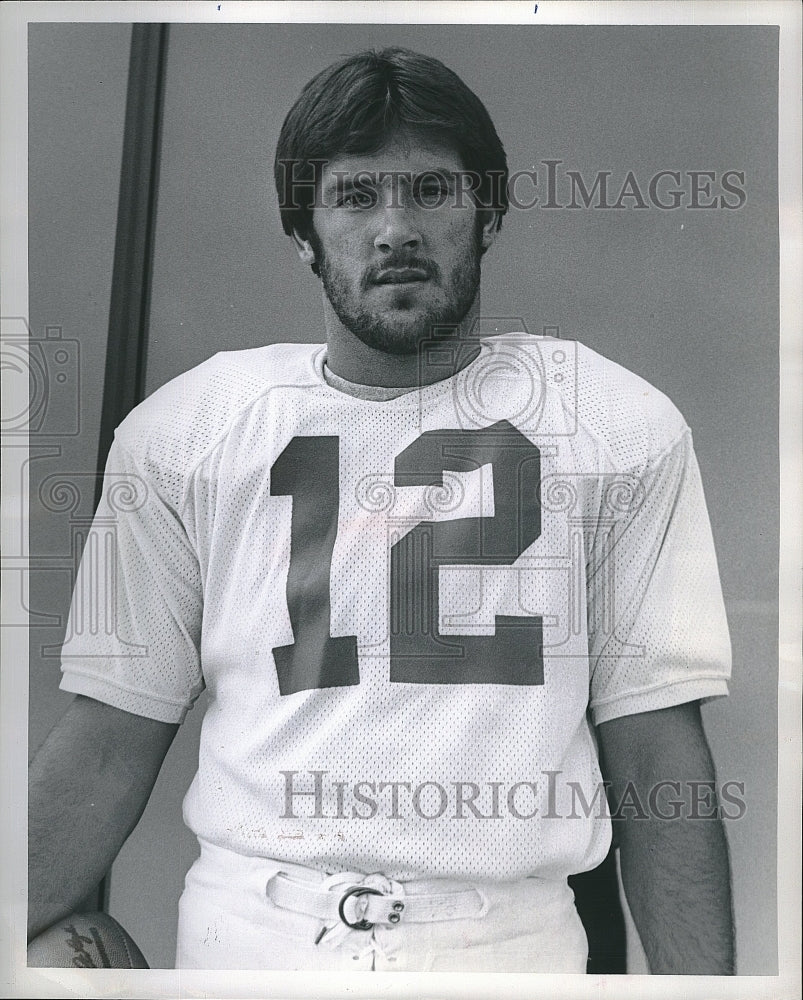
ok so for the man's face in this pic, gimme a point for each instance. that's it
(398, 248)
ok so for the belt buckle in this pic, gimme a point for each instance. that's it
(356, 890)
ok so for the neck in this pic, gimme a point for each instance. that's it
(351, 359)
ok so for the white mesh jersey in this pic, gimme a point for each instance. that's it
(406, 613)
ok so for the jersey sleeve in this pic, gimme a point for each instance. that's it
(658, 633)
(133, 634)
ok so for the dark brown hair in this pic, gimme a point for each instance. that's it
(355, 105)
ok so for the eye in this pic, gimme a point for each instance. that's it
(358, 198)
(431, 190)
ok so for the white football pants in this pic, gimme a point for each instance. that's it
(228, 921)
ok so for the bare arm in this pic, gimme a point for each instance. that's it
(675, 872)
(88, 786)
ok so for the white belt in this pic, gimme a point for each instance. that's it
(360, 901)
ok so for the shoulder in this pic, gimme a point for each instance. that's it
(637, 420)
(180, 422)
(630, 421)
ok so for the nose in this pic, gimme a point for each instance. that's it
(398, 231)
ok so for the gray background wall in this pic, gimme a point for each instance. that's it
(686, 298)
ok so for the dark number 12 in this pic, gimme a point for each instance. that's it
(308, 470)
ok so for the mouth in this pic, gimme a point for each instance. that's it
(400, 276)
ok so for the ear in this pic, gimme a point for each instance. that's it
(490, 229)
(303, 248)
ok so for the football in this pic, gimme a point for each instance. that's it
(85, 941)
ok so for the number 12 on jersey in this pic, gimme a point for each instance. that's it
(308, 470)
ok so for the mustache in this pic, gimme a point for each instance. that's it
(399, 262)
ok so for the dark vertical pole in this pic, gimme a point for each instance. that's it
(127, 346)
(126, 352)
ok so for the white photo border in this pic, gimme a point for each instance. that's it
(18, 980)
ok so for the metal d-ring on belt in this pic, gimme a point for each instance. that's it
(380, 908)
(365, 925)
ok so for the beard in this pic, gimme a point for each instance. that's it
(401, 327)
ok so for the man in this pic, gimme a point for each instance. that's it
(435, 585)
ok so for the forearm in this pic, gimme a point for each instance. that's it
(676, 878)
(88, 786)
(673, 853)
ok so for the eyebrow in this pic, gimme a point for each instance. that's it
(449, 175)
